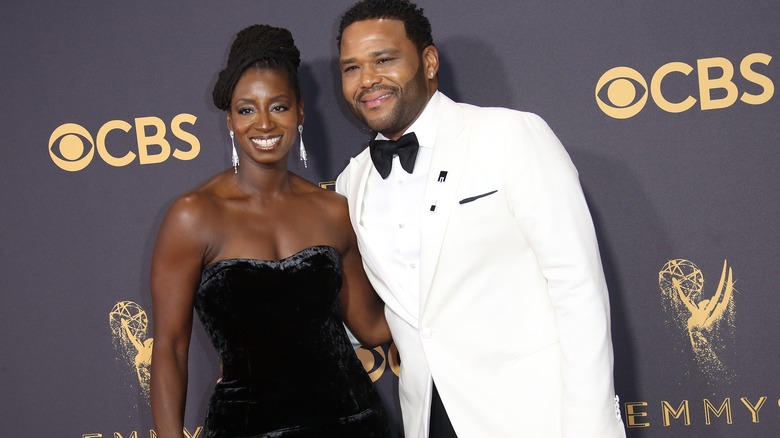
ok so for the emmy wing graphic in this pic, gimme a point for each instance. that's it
(129, 324)
(709, 322)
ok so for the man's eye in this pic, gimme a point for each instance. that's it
(349, 69)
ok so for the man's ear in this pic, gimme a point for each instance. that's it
(430, 57)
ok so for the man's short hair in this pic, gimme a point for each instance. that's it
(418, 28)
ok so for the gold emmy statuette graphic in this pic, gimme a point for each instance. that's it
(708, 321)
(129, 324)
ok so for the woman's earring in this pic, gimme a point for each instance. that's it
(302, 150)
(235, 154)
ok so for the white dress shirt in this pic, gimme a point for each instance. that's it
(392, 209)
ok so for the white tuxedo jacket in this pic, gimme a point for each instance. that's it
(514, 314)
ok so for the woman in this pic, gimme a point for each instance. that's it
(270, 263)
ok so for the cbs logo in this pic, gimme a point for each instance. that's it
(622, 92)
(72, 147)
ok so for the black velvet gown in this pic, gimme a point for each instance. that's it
(289, 369)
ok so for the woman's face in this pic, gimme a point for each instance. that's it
(264, 114)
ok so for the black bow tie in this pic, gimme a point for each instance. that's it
(382, 152)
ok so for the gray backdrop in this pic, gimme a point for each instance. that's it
(680, 169)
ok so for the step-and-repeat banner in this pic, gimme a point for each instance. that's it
(669, 110)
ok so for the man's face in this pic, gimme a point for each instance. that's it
(384, 78)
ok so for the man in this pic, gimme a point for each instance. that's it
(483, 248)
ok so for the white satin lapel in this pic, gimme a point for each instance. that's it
(360, 176)
(371, 260)
(449, 155)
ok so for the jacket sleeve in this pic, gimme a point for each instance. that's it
(548, 204)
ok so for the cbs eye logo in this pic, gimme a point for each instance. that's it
(72, 147)
(626, 91)
(622, 92)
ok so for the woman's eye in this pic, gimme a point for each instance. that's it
(244, 111)
(278, 108)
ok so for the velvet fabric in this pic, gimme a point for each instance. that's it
(289, 369)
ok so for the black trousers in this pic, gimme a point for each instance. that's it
(440, 426)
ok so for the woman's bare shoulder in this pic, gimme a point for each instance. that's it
(194, 208)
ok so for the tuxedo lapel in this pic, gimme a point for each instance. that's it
(360, 178)
(372, 260)
(449, 155)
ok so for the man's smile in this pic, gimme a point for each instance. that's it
(373, 99)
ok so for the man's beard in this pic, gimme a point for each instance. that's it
(410, 100)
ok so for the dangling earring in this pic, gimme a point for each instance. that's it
(235, 154)
(302, 150)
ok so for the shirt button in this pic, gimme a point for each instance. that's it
(412, 265)
(402, 226)
(400, 183)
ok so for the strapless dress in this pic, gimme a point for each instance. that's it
(288, 368)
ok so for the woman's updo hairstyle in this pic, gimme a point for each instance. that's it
(258, 46)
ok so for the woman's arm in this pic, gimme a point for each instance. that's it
(176, 267)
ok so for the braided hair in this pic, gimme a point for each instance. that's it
(262, 47)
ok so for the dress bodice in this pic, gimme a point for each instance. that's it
(286, 359)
